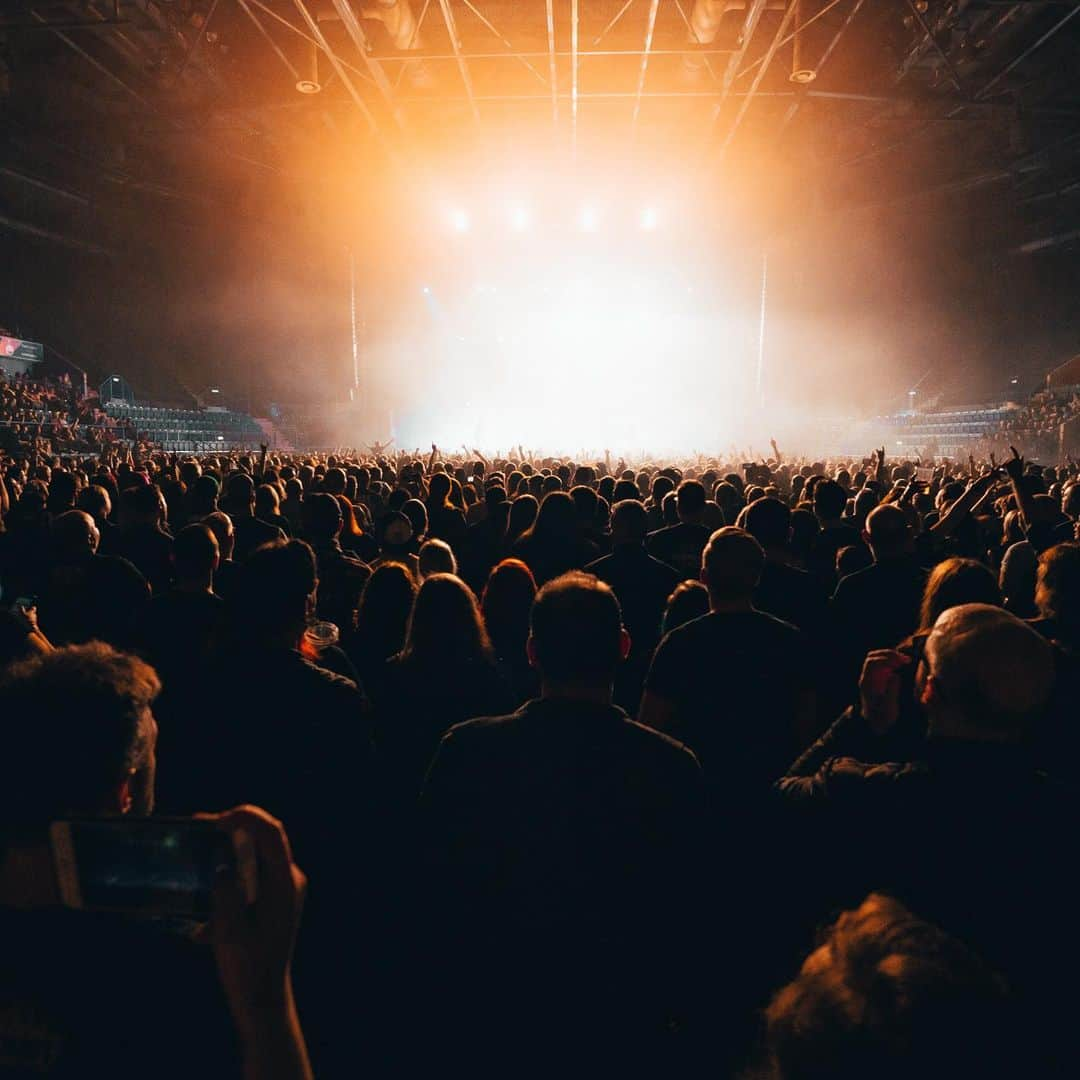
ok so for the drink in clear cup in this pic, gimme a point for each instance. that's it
(320, 635)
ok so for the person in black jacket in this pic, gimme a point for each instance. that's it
(642, 585)
(563, 839)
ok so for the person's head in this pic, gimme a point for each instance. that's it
(267, 502)
(142, 505)
(829, 500)
(195, 555)
(220, 524)
(557, 519)
(276, 595)
(1070, 501)
(984, 676)
(852, 558)
(576, 637)
(397, 534)
(523, 512)
(78, 734)
(436, 557)
(240, 495)
(629, 523)
(74, 535)
(95, 500)
(334, 481)
(505, 604)
(768, 521)
(1057, 588)
(731, 567)
(203, 496)
(888, 532)
(385, 608)
(689, 601)
(690, 501)
(446, 629)
(889, 996)
(322, 518)
(953, 582)
(417, 514)
(439, 490)
(62, 490)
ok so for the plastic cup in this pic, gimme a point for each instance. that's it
(320, 635)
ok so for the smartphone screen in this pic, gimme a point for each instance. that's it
(152, 866)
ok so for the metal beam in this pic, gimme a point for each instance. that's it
(196, 43)
(954, 75)
(649, 28)
(789, 14)
(618, 15)
(1028, 51)
(829, 50)
(551, 62)
(307, 37)
(43, 185)
(356, 33)
(573, 72)
(511, 51)
(463, 67)
(754, 11)
(270, 41)
(342, 74)
(790, 37)
(47, 234)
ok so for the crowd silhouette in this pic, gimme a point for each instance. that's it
(622, 765)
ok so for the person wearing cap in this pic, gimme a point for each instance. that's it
(397, 544)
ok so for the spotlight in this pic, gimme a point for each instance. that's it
(648, 219)
(460, 220)
(588, 219)
(426, 290)
(519, 219)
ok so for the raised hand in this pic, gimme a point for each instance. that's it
(1014, 467)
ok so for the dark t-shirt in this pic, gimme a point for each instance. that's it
(735, 681)
(150, 550)
(250, 533)
(680, 546)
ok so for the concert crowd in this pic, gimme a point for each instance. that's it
(705, 766)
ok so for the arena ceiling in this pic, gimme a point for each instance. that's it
(119, 106)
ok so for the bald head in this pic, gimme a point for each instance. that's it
(74, 533)
(990, 675)
(887, 530)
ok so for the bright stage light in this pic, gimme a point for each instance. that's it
(589, 219)
(426, 290)
(648, 219)
(460, 221)
(519, 219)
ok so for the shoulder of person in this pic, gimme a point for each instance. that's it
(665, 744)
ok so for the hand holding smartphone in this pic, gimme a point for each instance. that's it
(157, 866)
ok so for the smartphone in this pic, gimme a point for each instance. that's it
(159, 866)
(24, 603)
